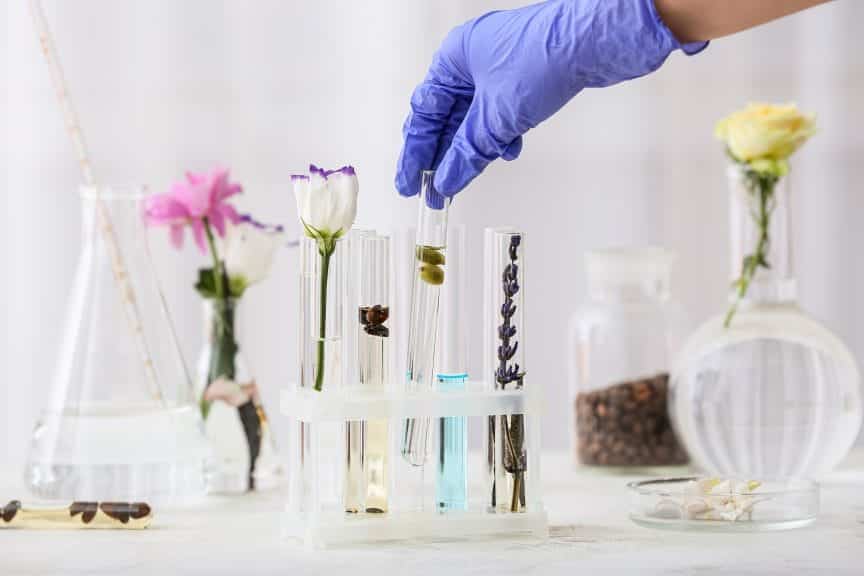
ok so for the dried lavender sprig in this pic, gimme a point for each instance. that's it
(512, 427)
(506, 374)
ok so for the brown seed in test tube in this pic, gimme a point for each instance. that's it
(123, 511)
(10, 510)
(377, 314)
(86, 509)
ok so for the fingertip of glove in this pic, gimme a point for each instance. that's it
(404, 186)
(449, 180)
(513, 150)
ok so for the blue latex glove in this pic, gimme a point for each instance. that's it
(496, 77)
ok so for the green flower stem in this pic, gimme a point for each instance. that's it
(218, 277)
(225, 347)
(763, 185)
(326, 251)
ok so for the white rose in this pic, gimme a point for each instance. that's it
(326, 201)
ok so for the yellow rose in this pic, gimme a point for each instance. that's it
(765, 132)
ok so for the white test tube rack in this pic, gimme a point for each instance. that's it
(321, 521)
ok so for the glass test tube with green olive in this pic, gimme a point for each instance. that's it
(428, 277)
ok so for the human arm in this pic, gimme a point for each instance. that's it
(693, 20)
(497, 76)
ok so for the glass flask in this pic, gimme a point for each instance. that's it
(122, 422)
(243, 454)
(620, 368)
(428, 278)
(451, 480)
(774, 394)
(504, 365)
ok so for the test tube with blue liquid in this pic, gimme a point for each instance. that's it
(451, 481)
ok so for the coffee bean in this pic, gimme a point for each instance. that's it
(377, 314)
(627, 424)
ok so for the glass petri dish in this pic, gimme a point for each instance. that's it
(723, 504)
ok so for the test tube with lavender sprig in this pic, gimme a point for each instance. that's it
(428, 278)
(505, 352)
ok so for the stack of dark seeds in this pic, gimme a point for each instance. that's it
(372, 318)
(627, 425)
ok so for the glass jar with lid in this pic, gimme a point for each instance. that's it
(620, 372)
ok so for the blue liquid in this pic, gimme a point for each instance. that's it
(451, 485)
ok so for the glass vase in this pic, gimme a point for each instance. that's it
(774, 394)
(243, 455)
(504, 361)
(620, 341)
(121, 421)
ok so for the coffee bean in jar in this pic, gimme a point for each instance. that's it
(627, 424)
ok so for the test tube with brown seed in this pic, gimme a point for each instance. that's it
(77, 516)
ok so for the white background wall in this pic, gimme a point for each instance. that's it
(266, 87)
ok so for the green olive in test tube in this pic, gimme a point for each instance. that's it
(430, 274)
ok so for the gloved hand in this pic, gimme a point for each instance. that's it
(496, 77)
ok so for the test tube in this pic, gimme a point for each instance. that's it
(374, 356)
(504, 365)
(428, 278)
(354, 486)
(451, 485)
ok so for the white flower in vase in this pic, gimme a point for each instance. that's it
(248, 250)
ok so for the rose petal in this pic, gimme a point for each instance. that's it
(177, 235)
(163, 209)
(218, 221)
(198, 234)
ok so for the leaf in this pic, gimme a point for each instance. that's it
(206, 285)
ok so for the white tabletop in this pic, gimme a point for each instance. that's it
(590, 534)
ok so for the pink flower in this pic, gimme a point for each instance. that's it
(189, 203)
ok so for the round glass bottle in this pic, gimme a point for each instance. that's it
(765, 391)
(620, 373)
